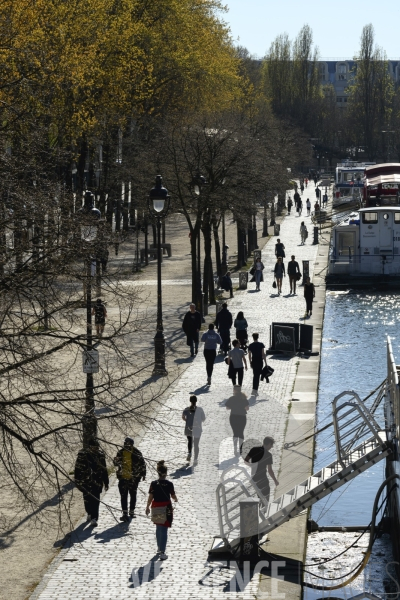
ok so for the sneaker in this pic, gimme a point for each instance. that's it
(132, 514)
(93, 522)
(189, 456)
(208, 380)
(163, 556)
(124, 518)
(88, 517)
(196, 352)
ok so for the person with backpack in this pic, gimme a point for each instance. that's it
(99, 311)
(194, 418)
(160, 493)
(90, 475)
(293, 270)
(131, 468)
(289, 205)
(303, 233)
(211, 340)
(224, 321)
(257, 358)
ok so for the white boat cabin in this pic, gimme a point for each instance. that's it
(367, 242)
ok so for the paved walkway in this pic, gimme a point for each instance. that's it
(117, 560)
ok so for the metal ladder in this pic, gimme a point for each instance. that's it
(358, 445)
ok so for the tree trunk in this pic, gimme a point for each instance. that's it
(208, 282)
(215, 225)
(265, 221)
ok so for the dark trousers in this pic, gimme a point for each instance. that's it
(91, 499)
(210, 355)
(309, 303)
(239, 374)
(226, 338)
(193, 442)
(128, 487)
(193, 343)
(257, 367)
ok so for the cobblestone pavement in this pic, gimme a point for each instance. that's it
(117, 560)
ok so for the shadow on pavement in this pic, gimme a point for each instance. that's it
(118, 530)
(147, 573)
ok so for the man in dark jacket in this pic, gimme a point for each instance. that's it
(226, 283)
(90, 476)
(191, 326)
(131, 468)
(293, 270)
(224, 322)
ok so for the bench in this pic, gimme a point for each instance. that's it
(166, 247)
(150, 252)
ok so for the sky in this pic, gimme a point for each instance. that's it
(336, 25)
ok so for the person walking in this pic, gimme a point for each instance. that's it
(262, 457)
(90, 475)
(241, 330)
(306, 181)
(324, 200)
(309, 295)
(296, 198)
(300, 206)
(302, 187)
(237, 359)
(226, 284)
(279, 271)
(279, 249)
(317, 192)
(131, 468)
(257, 358)
(258, 273)
(308, 205)
(224, 322)
(194, 418)
(293, 270)
(238, 405)
(211, 340)
(160, 493)
(316, 209)
(289, 205)
(191, 326)
(99, 311)
(303, 233)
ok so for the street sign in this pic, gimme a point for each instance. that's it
(90, 361)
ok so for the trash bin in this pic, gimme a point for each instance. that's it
(243, 279)
(277, 229)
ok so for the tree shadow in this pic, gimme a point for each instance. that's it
(180, 361)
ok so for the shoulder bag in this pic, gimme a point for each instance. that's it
(159, 514)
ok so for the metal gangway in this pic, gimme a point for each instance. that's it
(359, 445)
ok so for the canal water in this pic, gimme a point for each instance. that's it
(353, 358)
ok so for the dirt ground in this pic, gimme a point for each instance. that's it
(30, 538)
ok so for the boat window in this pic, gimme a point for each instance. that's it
(397, 217)
(370, 217)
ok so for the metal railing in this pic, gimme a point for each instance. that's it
(363, 264)
(393, 385)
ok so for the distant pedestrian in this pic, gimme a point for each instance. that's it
(226, 284)
(293, 270)
(194, 418)
(306, 181)
(99, 311)
(191, 326)
(224, 322)
(131, 468)
(279, 249)
(308, 205)
(90, 476)
(317, 192)
(238, 405)
(241, 329)
(300, 206)
(316, 209)
(237, 359)
(160, 493)
(309, 295)
(324, 200)
(289, 205)
(296, 199)
(262, 457)
(211, 340)
(279, 271)
(303, 233)
(258, 273)
(257, 358)
(315, 180)
(302, 187)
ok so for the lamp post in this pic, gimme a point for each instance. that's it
(197, 184)
(90, 216)
(158, 207)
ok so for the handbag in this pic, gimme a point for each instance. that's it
(252, 270)
(159, 514)
(298, 276)
(227, 360)
(274, 284)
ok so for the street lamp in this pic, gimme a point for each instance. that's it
(158, 206)
(197, 183)
(90, 216)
